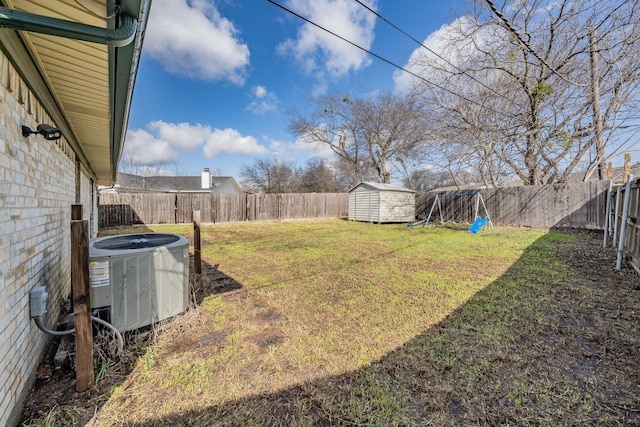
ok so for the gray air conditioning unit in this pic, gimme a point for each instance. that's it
(139, 278)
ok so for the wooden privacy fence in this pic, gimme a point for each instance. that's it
(147, 208)
(578, 205)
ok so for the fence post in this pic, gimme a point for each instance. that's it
(246, 207)
(607, 214)
(610, 171)
(627, 167)
(197, 256)
(616, 214)
(623, 223)
(81, 304)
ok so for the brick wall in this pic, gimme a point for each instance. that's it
(37, 189)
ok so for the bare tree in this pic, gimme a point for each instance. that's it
(137, 175)
(540, 87)
(319, 176)
(428, 179)
(180, 172)
(353, 173)
(270, 176)
(371, 137)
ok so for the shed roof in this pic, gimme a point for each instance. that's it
(382, 187)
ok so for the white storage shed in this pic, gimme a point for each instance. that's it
(374, 202)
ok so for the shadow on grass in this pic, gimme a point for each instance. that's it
(210, 281)
(547, 343)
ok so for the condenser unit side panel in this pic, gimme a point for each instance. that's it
(169, 292)
(118, 278)
(160, 297)
(186, 288)
(174, 288)
(141, 312)
(131, 289)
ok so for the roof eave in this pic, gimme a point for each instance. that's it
(123, 68)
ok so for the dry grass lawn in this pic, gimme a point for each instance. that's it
(340, 323)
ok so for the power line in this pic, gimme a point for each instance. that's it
(432, 51)
(527, 46)
(384, 59)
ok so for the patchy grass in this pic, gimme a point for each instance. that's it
(340, 323)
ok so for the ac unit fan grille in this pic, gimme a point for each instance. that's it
(137, 241)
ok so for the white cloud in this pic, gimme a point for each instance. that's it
(153, 171)
(280, 149)
(229, 141)
(263, 101)
(260, 91)
(181, 136)
(296, 151)
(289, 151)
(317, 51)
(191, 38)
(143, 148)
(162, 143)
(439, 42)
(320, 88)
(314, 149)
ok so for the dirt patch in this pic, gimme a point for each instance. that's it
(55, 385)
(269, 338)
(58, 390)
(214, 339)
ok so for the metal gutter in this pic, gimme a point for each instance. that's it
(123, 70)
(23, 21)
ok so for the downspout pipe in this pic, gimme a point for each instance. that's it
(23, 21)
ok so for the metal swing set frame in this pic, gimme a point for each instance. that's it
(438, 201)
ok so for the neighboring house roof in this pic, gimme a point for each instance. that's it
(172, 183)
(85, 87)
(382, 187)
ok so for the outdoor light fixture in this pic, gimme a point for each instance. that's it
(48, 131)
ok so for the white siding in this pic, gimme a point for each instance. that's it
(370, 204)
(397, 206)
(226, 187)
(364, 203)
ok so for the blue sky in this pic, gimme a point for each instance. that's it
(218, 79)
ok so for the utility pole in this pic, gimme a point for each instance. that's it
(597, 118)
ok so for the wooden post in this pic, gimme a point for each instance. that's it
(82, 304)
(627, 166)
(609, 171)
(197, 258)
(76, 212)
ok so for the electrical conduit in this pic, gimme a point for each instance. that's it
(46, 330)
